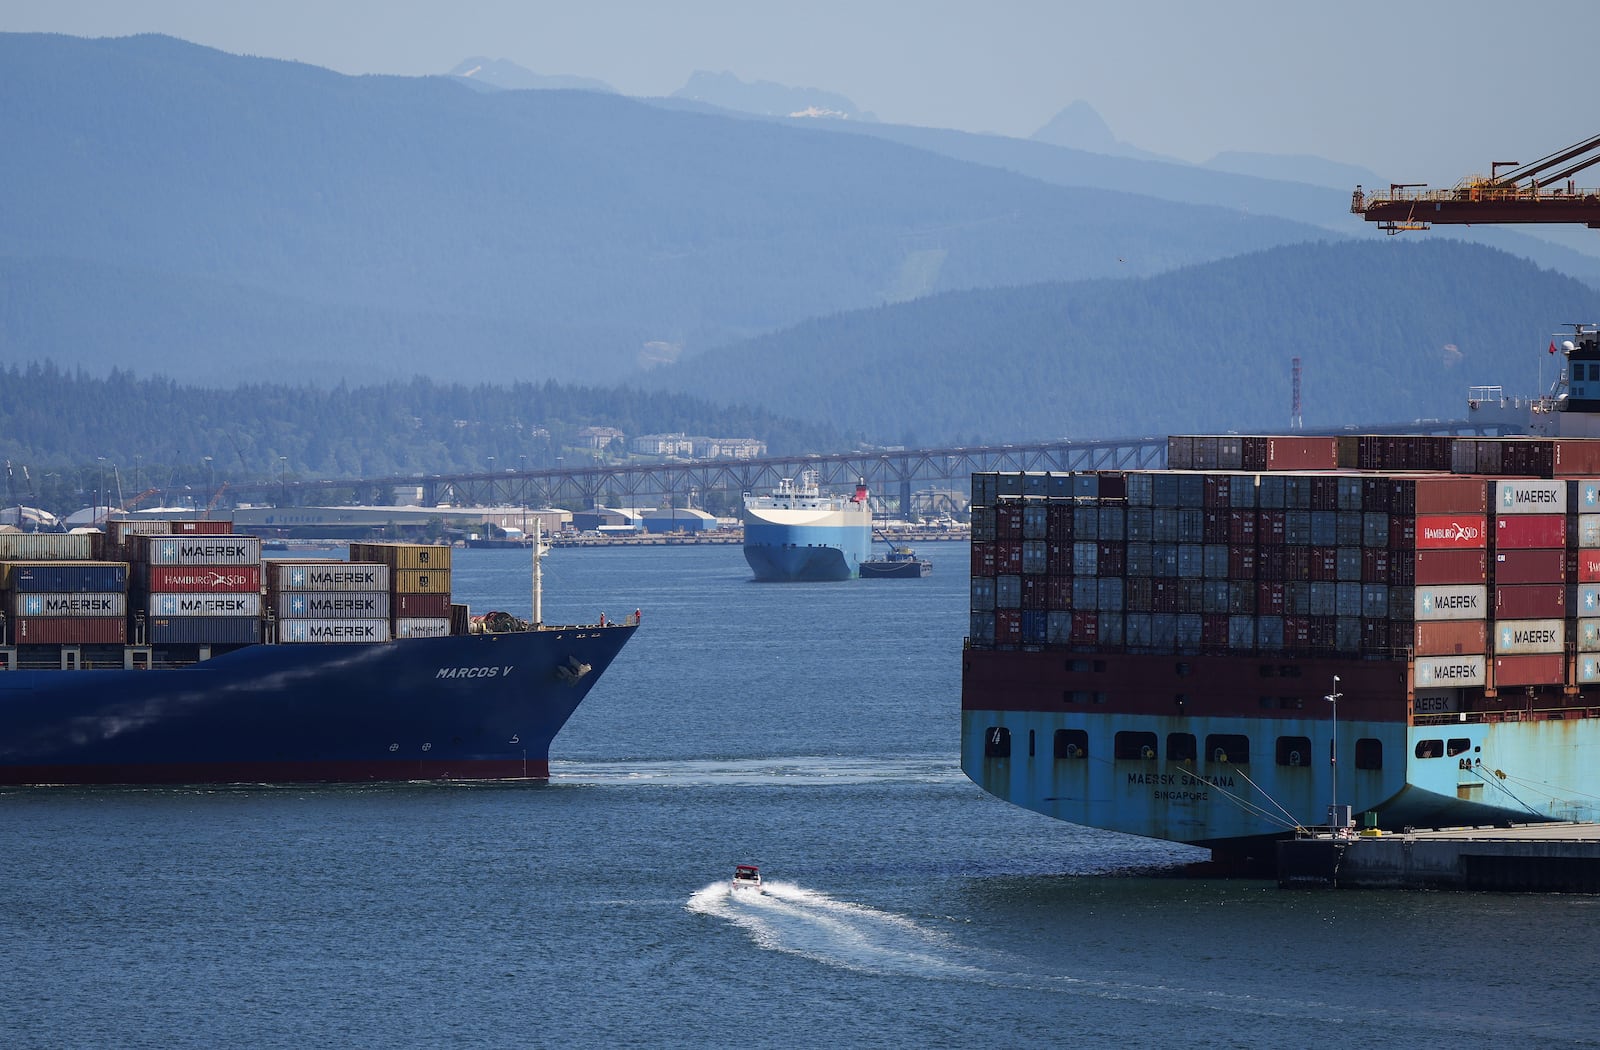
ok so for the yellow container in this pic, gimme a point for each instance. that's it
(403, 555)
(421, 581)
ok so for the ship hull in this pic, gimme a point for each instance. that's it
(482, 706)
(1116, 768)
(787, 553)
(896, 570)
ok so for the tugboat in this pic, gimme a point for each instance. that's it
(746, 877)
(901, 563)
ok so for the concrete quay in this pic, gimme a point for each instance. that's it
(1538, 858)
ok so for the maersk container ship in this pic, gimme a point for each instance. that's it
(1284, 632)
(798, 533)
(188, 659)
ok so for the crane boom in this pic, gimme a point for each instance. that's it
(1520, 195)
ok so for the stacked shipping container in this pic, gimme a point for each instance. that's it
(202, 589)
(327, 601)
(419, 582)
(1469, 574)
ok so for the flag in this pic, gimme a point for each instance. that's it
(1552, 346)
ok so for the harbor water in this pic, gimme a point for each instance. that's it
(808, 728)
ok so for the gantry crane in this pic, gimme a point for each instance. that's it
(1543, 191)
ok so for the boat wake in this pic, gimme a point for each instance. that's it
(754, 772)
(788, 918)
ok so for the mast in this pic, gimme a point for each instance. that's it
(538, 581)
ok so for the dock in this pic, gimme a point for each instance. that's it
(1532, 858)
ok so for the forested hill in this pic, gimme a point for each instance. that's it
(213, 217)
(1386, 330)
(55, 420)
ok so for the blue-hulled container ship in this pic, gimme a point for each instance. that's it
(1278, 633)
(798, 533)
(156, 658)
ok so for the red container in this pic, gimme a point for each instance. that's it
(1375, 634)
(1458, 531)
(1531, 601)
(69, 630)
(1402, 532)
(1241, 563)
(1008, 556)
(1535, 669)
(1451, 637)
(1530, 530)
(1007, 522)
(1085, 628)
(1216, 491)
(1296, 632)
(1113, 559)
(1059, 523)
(1530, 566)
(1576, 456)
(1058, 592)
(1058, 558)
(195, 579)
(1269, 597)
(1214, 630)
(1242, 527)
(1588, 566)
(1374, 565)
(1007, 626)
(1302, 453)
(1140, 593)
(1271, 528)
(1322, 564)
(1034, 593)
(1452, 496)
(1467, 566)
(208, 527)
(1164, 595)
(984, 562)
(1215, 527)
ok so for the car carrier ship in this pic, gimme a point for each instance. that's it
(797, 533)
(162, 656)
(1275, 633)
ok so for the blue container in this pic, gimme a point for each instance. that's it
(1034, 624)
(69, 576)
(203, 630)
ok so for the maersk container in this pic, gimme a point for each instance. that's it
(196, 550)
(334, 630)
(1531, 497)
(68, 630)
(1535, 669)
(64, 576)
(1530, 601)
(190, 604)
(72, 604)
(202, 630)
(364, 605)
(1450, 601)
(1529, 636)
(1589, 634)
(1589, 530)
(421, 581)
(1530, 530)
(198, 578)
(1586, 602)
(1530, 566)
(50, 546)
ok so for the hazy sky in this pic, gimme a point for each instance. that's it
(1421, 91)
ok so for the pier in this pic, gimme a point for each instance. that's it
(1538, 858)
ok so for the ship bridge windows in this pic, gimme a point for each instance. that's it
(1294, 751)
(1456, 745)
(1181, 747)
(1430, 749)
(1228, 749)
(1129, 744)
(1369, 753)
(997, 742)
(1071, 744)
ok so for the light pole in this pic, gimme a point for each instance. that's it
(1333, 751)
(211, 485)
(283, 482)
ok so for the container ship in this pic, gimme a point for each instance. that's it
(171, 652)
(1276, 633)
(798, 533)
